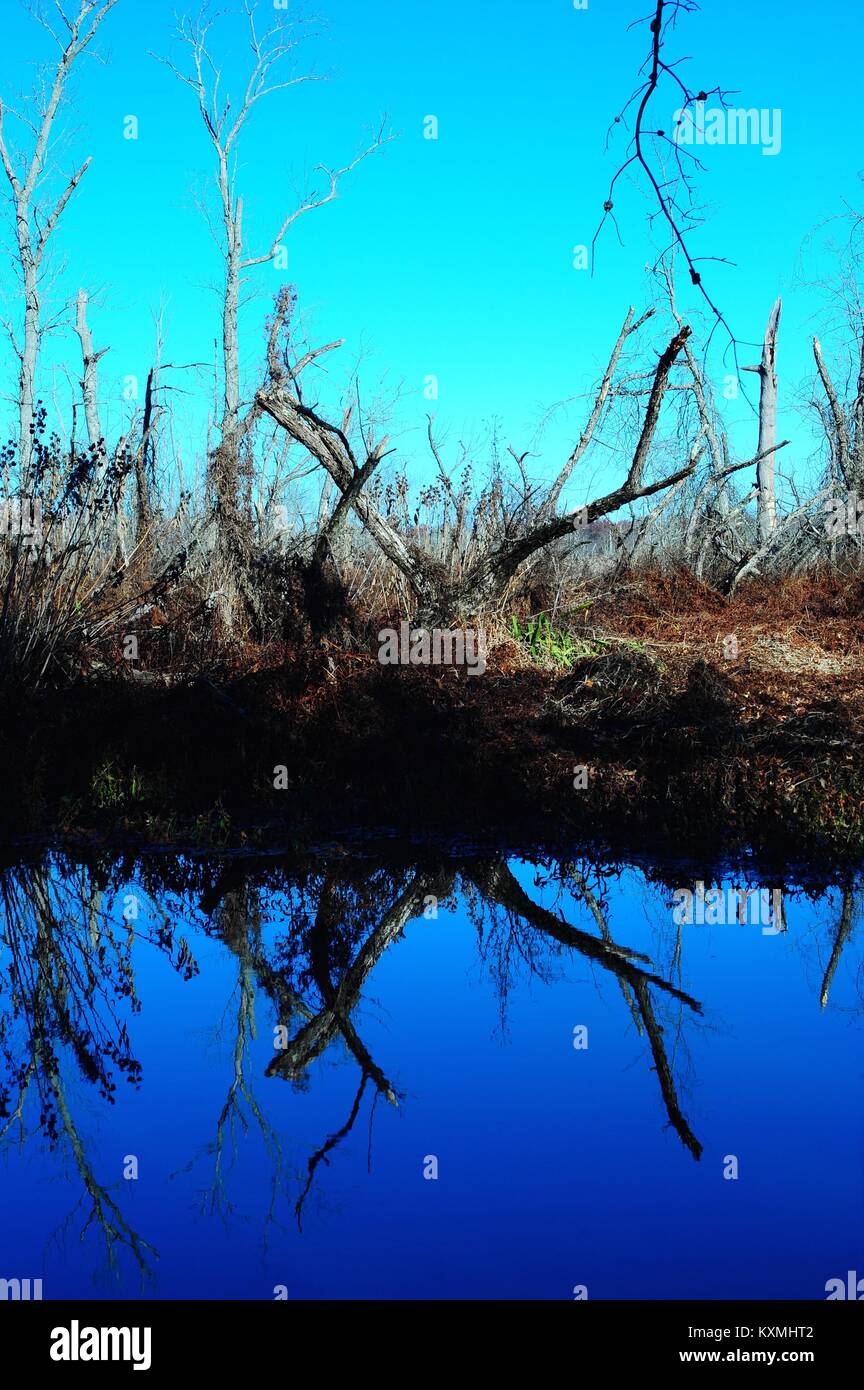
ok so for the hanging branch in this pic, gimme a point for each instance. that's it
(674, 197)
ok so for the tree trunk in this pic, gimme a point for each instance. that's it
(437, 600)
(143, 507)
(34, 224)
(89, 383)
(29, 357)
(224, 468)
(765, 474)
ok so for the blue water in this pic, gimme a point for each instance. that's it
(149, 1039)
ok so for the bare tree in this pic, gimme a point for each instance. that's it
(489, 576)
(90, 359)
(268, 73)
(35, 220)
(767, 502)
(629, 326)
(844, 423)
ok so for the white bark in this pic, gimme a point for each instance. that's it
(489, 577)
(89, 381)
(765, 448)
(551, 503)
(269, 51)
(841, 449)
(33, 231)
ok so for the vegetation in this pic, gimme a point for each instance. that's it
(245, 613)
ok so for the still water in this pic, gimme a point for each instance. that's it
(427, 1076)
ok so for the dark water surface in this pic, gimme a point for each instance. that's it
(432, 1015)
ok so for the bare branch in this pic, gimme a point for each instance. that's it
(310, 204)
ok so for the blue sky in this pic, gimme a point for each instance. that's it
(450, 257)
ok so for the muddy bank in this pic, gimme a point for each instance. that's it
(668, 756)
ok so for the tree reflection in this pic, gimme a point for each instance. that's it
(306, 938)
(66, 975)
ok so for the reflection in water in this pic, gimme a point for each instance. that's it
(306, 943)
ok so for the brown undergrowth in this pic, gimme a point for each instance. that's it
(649, 733)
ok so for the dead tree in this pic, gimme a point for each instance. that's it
(144, 459)
(786, 534)
(629, 327)
(845, 430)
(487, 579)
(765, 476)
(849, 913)
(89, 381)
(36, 221)
(224, 122)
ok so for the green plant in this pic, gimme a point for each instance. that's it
(109, 787)
(554, 644)
(214, 827)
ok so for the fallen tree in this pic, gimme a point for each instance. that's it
(439, 598)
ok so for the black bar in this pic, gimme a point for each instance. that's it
(266, 1339)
